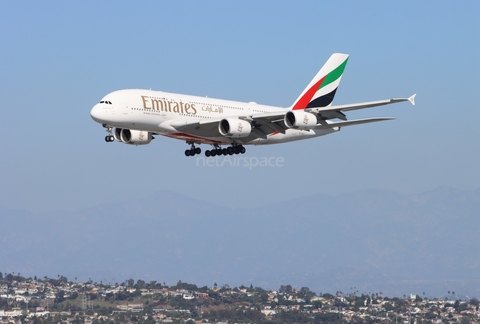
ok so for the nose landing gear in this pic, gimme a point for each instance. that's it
(109, 137)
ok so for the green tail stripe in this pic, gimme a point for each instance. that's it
(334, 75)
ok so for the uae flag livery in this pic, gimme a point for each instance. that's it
(321, 90)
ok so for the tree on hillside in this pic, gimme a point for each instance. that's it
(304, 292)
(456, 306)
(152, 283)
(226, 287)
(140, 284)
(286, 289)
(185, 285)
(475, 302)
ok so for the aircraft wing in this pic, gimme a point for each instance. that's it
(264, 124)
(336, 111)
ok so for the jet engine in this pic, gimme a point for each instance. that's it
(133, 137)
(300, 119)
(235, 128)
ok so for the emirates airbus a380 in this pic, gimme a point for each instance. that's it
(133, 116)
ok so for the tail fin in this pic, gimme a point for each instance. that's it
(321, 90)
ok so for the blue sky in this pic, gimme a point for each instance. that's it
(59, 58)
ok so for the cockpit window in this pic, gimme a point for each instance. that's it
(106, 102)
(102, 101)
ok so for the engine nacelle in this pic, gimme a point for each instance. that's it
(235, 128)
(133, 137)
(300, 119)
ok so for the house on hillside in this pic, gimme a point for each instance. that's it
(3, 289)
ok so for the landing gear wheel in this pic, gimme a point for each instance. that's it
(193, 150)
(230, 150)
(107, 138)
(207, 153)
(242, 150)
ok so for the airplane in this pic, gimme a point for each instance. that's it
(133, 116)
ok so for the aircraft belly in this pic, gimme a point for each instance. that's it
(196, 139)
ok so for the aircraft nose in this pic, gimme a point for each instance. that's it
(96, 113)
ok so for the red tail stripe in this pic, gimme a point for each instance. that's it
(307, 97)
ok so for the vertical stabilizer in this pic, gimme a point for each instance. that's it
(321, 90)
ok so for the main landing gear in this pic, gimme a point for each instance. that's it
(193, 150)
(217, 150)
(234, 149)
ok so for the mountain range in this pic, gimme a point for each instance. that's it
(365, 241)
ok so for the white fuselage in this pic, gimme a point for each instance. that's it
(156, 111)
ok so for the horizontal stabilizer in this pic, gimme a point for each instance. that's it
(351, 122)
